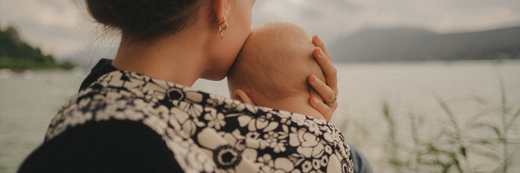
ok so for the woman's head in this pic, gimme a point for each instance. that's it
(239, 17)
(194, 21)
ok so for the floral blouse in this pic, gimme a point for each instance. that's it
(206, 132)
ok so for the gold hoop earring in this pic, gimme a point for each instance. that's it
(220, 28)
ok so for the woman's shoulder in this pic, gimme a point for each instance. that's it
(116, 95)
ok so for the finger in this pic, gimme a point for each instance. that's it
(331, 73)
(319, 43)
(323, 90)
(322, 108)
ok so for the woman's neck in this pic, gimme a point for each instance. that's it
(173, 58)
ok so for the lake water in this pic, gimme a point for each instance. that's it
(29, 101)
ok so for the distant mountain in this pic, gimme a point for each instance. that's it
(412, 44)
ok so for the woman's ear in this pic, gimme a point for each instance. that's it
(240, 95)
(221, 8)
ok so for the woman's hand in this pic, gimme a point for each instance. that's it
(328, 90)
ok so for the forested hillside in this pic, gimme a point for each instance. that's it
(19, 55)
(412, 44)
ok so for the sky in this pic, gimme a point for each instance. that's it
(63, 27)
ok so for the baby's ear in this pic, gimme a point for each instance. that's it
(240, 95)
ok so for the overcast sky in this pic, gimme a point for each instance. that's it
(63, 27)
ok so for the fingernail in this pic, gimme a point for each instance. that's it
(318, 37)
(321, 52)
(315, 79)
(316, 101)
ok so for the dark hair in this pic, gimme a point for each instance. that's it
(144, 19)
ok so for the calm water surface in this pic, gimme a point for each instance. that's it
(30, 100)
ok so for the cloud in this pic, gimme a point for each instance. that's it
(492, 17)
(46, 13)
(62, 27)
(40, 22)
(436, 14)
(333, 18)
(323, 18)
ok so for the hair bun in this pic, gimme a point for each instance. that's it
(145, 19)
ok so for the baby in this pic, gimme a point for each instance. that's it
(272, 69)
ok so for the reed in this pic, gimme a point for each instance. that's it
(507, 113)
(457, 146)
(393, 147)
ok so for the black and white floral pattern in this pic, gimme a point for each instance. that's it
(209, 133)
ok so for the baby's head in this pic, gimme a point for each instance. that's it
(274, 64)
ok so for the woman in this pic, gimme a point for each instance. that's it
(138, 114)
